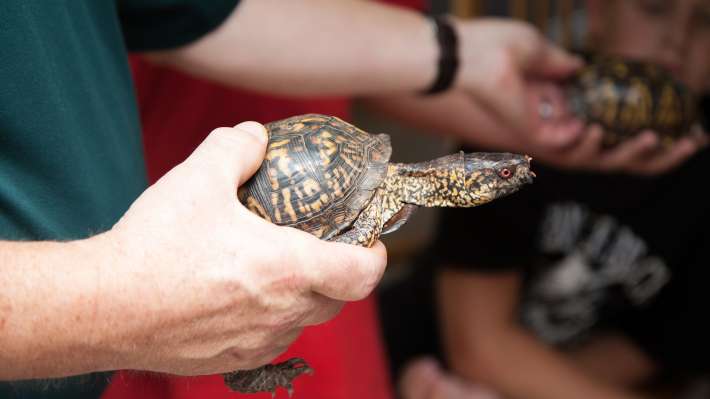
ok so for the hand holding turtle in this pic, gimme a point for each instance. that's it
(329, 178)
(643, 154)
(211, 287)
(497, 57)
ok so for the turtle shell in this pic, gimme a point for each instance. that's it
(319, 173)
(627, 97)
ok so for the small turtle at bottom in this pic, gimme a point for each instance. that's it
(627, 97)
(333, 180)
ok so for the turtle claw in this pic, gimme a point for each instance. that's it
(268, 378)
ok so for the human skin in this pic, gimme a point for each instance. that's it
(563, 142)
(374, 50)
(425, 379)
(674, 34)
(483, 340)
(187, 282)
(361, 48)
(153, 279)
(498, 353)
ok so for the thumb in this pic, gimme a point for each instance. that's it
(235, 153)
(346, 272)
(553, 62)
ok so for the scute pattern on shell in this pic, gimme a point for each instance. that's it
(626, 97)
(318, 175)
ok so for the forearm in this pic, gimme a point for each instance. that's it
(315, 47)
(519, 366)
(485, 344)
(454, 114)
(631, 366)
(50, 308)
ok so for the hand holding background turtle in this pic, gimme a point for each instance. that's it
(333, 180)
(638, 118)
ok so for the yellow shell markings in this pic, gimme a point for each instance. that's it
(621, 70)
(300, 196)
(315, 168)
(277, 153)
(276, 212)
(669, 111)
(285, 176)
(647, 97)
(253, 205)
(310, 186)
(636, 109)
(328, 151)
(288, 207)
(610, 103)
(334, 183)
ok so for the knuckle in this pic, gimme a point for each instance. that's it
(528, 30)
(222, 131)
(221, 134)
(231, 136)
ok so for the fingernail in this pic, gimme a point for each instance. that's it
(256, 129)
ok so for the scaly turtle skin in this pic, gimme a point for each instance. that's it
(626, 97)
(268, 378)
(333, 180)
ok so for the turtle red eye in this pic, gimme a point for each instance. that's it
(505, 173)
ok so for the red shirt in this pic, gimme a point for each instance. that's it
(177, 113)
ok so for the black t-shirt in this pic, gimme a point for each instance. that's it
(595, 251)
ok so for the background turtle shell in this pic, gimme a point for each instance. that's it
(318, 175)
(626, 97)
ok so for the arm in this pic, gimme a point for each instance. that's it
(49, 319)
(485, 344)
(352, 47)
(187, 282)
(315, 47)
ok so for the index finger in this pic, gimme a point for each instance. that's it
(554, 62)
(667, 160)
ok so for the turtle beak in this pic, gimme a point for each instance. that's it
(531, 174)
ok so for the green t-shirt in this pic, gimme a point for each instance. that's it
(71, 158)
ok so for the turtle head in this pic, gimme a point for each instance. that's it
(493, 175)
(461, 180)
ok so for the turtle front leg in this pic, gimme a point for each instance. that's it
(368, 225)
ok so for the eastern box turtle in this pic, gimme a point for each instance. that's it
(333, 180)
(626, 97)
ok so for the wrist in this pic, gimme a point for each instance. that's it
(123, 315)
(446, 37)
(50, 328)
(104, 328)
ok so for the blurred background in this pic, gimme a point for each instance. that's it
(562, 21)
